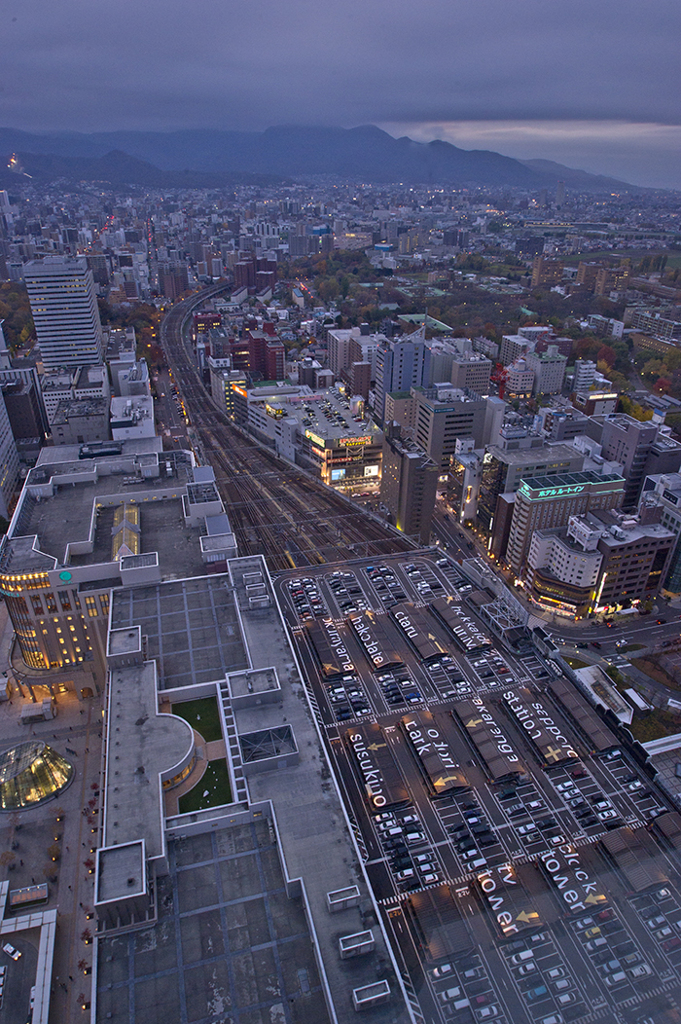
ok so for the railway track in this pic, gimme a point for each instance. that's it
(273, 508)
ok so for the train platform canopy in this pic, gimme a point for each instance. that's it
(509, 903)
(669, 827)
(375, 640)
(569, 871)
(590, 723)
(441, 930)
(462, 627)
(489, 740)
(419, 631)
(381, 778)
(542, 731)
(635, 853)
(433, 751)
(328, 645)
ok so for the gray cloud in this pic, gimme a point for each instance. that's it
(167, 64)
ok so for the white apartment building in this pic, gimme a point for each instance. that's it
(549, 370)
(585, 375)
(65, 313)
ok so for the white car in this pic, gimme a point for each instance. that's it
(526, 829)
(11, 951)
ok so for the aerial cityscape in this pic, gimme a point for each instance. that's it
(340, 516)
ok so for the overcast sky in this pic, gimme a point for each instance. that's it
(481, 73)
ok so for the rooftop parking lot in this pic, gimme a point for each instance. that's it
(498, 815)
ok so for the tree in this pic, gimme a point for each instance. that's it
(607, 355)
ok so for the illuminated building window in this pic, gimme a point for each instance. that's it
(37, 604)
(91, 607)
(51, 603)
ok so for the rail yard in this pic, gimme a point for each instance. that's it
(274, 509)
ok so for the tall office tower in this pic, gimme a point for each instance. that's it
(442, 416)
(409, 485)
(401, 364)
(65, 313)
(9, 462)
(338, 342)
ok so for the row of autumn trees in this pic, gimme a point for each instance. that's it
(15, 311)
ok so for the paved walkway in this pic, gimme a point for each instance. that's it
(62, 828)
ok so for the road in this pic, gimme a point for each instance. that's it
(645, 630)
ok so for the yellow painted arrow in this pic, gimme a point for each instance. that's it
(595, 899)
(376, 746)
(439, 783)
(524, 916)
(473, 722)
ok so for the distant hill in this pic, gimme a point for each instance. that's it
(576, 179)
(201, 157)
(116, 168)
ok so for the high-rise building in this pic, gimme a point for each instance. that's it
(65, 313)
(518, 456)
(636, 558)
(546, 271)
(443, 415)
(643, 450)
(173, 279)
(663, 492)
(611, 279)
(585, 375)
(266, 356)
(9, 461)
(409, 485)
(548, 502)
(338, 347)
(512, 347)
(549, 370)
(401, 364)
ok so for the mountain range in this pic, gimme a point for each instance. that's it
(204, 158)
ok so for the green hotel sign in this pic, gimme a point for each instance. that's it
(551, 492)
